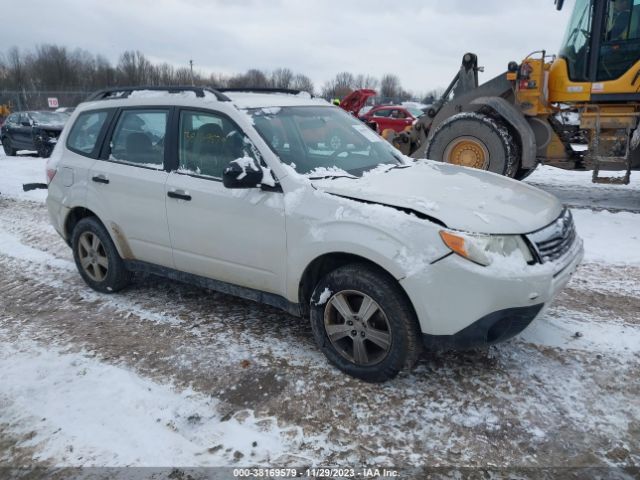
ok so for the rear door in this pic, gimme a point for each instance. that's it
(381, 117)
(235, 236)
(127, 184)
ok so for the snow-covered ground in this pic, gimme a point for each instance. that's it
(169, 374)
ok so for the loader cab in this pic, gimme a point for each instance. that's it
(602, 41)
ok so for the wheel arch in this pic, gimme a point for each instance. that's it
(327, 262)
(78, 213)
(73, 217)
(517, 124)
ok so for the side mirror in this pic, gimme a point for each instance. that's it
(25, 123)
(243, 172)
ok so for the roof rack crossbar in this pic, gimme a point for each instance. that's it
(124, 92)
(291, 91)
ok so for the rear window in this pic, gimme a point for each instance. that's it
(85, 132)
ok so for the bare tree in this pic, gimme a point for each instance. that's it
(302, 82)
(282, 78)
(390, 86)
(365, 81)
(341, 86)
(134, 68)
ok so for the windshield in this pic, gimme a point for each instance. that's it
(416, 112)
(49, 117)
(575, 46)
(323, 141)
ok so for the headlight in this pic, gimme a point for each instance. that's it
(484, 249)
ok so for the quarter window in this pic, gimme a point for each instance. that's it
(208, 142)
(85, 132)
(138, 138)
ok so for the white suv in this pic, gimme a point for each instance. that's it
(287, 200)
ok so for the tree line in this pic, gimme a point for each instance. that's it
(27, 77)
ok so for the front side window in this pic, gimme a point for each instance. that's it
(323, 141)
(85, 132)
(209, 141)
(620, 48)
(575, 46)
(138, 138)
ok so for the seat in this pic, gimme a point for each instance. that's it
(208, 158)
(139, 149)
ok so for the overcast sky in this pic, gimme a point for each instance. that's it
(421, 41)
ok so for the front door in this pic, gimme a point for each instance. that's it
(235, 236)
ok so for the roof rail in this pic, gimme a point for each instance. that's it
(124, 92)
(290, 91)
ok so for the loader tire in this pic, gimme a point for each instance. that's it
(475, 140)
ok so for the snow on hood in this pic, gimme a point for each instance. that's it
(461, 198)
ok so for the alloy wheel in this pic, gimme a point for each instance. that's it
(357, 327)
(93, 257)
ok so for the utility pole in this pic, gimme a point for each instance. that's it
(191, 68)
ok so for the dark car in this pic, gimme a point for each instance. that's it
(395, 117)
(37, 131)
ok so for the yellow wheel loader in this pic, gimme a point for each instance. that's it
(520, 118)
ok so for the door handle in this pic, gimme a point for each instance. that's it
(100, 179)
(179, 194)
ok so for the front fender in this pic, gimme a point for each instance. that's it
(517, 120)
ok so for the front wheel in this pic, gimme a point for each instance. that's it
(363, 323)
(8, 149)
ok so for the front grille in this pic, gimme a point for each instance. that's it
(554, 240)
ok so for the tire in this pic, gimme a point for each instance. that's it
(8, 150)
(475, 140)
(96, 257)
(391, 317)
(523, 173)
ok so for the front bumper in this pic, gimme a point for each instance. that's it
(463, 305)
(489, 330)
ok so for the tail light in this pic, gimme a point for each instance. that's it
(51, 172)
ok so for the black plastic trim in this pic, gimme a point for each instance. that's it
(289, 91)
(217, 285)
(108, 93)
(493, 328)
(615, 97)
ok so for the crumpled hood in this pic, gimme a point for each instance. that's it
(461, 198)
(49, 126)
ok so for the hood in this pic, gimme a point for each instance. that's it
(49, 126)
(461, 198)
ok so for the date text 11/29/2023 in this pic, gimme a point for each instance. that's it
(320, 472)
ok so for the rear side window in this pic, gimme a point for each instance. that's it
(382, 113)
(85, 132)
(138, 138)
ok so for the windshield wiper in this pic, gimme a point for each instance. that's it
(332, 176)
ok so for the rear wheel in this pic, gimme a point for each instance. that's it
(477, 141)
(364, 324)
(97, 258)
(8, 149)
